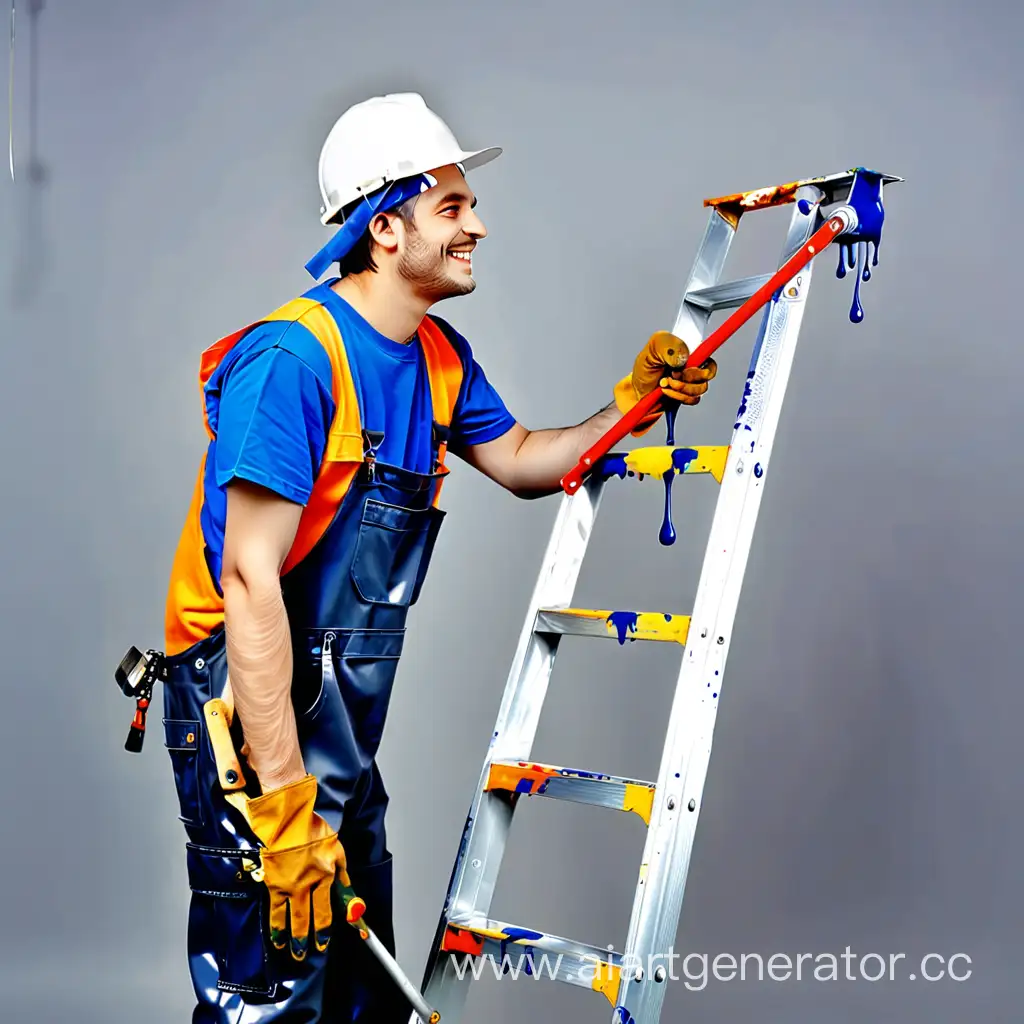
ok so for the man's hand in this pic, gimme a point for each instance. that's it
(301, 859)
(662, 364)
(531, 463)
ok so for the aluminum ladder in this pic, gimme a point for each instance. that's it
(633, 979)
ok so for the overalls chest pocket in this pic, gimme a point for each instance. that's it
(392, 552)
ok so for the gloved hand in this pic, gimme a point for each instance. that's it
(301, 859)
(662, 364)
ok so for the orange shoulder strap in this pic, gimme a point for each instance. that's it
(343, 453)
(444, 368)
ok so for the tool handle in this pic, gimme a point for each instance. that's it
(821, 238)
(354, 905)
(135, 738)
(137, 732)
(354, 910)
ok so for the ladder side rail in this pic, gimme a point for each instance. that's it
(691, 320)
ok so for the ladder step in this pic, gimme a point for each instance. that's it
(658, 460)
(727, 295)
(620, 624)
(521, 952)
(570, 784)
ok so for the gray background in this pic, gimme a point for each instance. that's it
(864, 784)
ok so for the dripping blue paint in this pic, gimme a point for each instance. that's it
(623, 622)
(623, 1016)
(512, 935)
(743, 402)
(866, 199)
(681, 458)
(612, 465)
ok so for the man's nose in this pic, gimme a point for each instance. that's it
(474, 226)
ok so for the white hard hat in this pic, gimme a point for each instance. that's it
(383, 139)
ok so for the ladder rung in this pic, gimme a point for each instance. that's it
(570, 784)
(657, 460)
(727, 295)
(622, 625)
(526, 952)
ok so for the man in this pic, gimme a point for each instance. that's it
(311, 528)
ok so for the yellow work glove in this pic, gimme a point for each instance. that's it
(661, 364)
(301, 859)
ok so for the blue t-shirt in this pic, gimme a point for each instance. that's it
(270, 405)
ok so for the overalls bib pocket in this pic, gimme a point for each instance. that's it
(392, 551)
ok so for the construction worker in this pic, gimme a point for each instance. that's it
(311, 527)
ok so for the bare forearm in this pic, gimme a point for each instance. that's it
(259, 653)
(545, 456)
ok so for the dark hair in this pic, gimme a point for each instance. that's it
(360, 257)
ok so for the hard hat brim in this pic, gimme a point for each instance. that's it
(479, 157)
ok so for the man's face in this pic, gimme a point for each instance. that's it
(435, 251)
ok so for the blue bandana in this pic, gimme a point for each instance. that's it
(351, 231)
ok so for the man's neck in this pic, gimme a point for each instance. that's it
(389, 310)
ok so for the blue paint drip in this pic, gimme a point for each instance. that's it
(743, 402)
(612, 465)
(512, 934)
(670, 423)
(623, 1016)
(805, 206)
(856, 309)
(524, 786)
(681, 458)
(623, 622)
(866, 199)
(667, 533)
(758, 471)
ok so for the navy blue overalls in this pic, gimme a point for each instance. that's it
(358, 565)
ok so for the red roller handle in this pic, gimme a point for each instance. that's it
(821, 238)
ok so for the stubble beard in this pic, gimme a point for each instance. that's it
(427, 269)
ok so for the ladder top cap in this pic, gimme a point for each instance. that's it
(832, 185)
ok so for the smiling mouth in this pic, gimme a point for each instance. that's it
(465, 258)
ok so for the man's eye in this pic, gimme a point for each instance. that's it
(450, 209)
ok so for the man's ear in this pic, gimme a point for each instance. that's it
(382, 231)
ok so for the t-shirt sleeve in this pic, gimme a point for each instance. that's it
(480, 414)
(274, 413)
